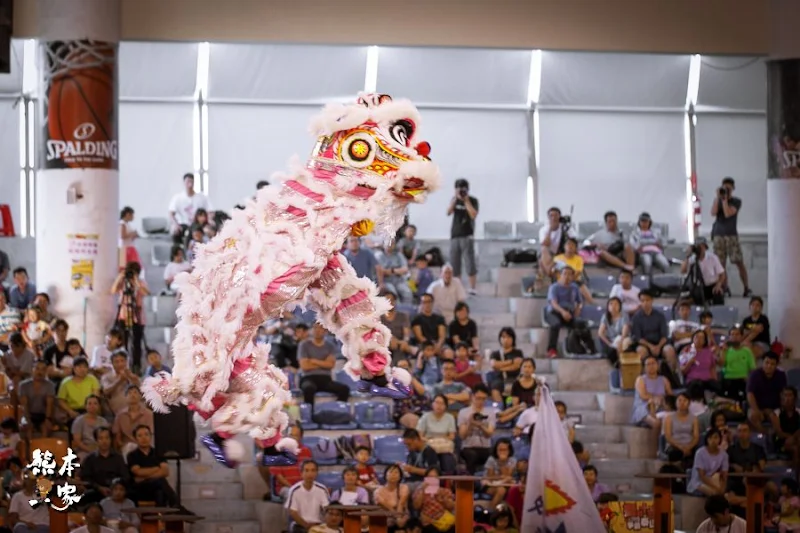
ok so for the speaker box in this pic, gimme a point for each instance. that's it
(175, 433)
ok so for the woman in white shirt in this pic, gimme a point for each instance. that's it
(127, 236)
(177, 264)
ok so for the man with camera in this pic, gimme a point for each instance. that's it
(724, 233)
(464, 209)
(552, 239)
(710, 274)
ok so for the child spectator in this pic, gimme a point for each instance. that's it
(502, 520)
(113, 506)
(756, 328)
(35, 331)
(366, 473)
(567, 424)
(351, 493)
(500, 468)
(333, 521)
(12, 476)
(790, 506)
(422, 277)
(427, 367)
(9, 438)
(101, 355)
(595, 487)
(467, 370)
(155, 364)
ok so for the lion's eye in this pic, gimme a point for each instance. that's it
(401, 131)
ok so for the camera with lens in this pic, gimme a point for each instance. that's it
(694, 250)
(463, 192)
(723, 191)
(565, 220)
(479, 417)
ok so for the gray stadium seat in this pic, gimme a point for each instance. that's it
(663, 227)
(725, 316)
(528, 230)
(601, 285)
(586, 229)
(161, 254)
(593, 314)
(165, 311)
(155, 225)
(643, 282)
(495, 229)
(626, 228)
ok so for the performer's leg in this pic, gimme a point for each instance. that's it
(350, 308)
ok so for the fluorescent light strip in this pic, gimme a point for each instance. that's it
(30, 71)
(535, 78)
(537, 153)
(23, 203)
(23, 153)
(31, 134)
(690, 198)
(687, 144)
(32, 201)
(204, 181)
(371, 73)
(694, 81)
(204, 137)
(196, 138)
(529, 195)
(203, 60)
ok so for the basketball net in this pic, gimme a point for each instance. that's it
(62, 57)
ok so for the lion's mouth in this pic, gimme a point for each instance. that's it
(412, 187)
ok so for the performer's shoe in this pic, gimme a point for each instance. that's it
(216, 445)
(396, 390)
(273, 457)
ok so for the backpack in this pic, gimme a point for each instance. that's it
(333, 418)
(519, 256)
(347, 445)
(579, 339)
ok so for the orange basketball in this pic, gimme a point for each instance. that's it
(81, 110)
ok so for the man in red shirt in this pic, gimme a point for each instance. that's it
(281, 478)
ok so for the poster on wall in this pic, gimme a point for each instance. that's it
(82, 253)
(783, 118)
(80, 105)
(628, 517)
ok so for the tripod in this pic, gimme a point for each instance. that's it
(693, 286)
(128, 320)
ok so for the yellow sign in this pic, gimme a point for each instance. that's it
(82, 277)
(82, 250)
(628, 517)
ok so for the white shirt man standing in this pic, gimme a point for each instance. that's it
(711, 270)
(184, 205)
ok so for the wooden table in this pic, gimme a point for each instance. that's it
(175, 522)
(378, 520)
(352, 515)
(465, 501)
(150, 516)
(754, 481)
(662, 500)
(59, 520)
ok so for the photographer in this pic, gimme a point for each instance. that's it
(130, 314)
(724, 233)
(711, 274)
(552, 239)
(464, 209)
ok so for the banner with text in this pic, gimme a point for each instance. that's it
(82, 253)
(783, 118)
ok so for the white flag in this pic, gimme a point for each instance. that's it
(557, 499)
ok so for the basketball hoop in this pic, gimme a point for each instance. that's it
(65, 56)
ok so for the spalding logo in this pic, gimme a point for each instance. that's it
(81, 150)
(84, 131)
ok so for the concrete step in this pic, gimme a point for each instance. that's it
(493, 319)
(488, 304)
(201, 473)
(591, 418)
(222, 510)
(609, 434)
(212, 491)
(578, 401)
(227, 526)
(157, 335)
(607, 450)
(623, 484)
(622, 468)
(487, 288)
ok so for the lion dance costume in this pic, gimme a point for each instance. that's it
(282, 252)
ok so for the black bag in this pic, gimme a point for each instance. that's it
(520, 256)
(579, 339)
(334, 418)
(435, 257)
(666, 285)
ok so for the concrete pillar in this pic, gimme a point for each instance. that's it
(77, 182)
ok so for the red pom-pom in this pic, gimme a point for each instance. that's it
(423, 149)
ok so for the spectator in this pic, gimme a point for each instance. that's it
(74, 390)
(149, 471)
(428, 367)
(155, 364)
(611, 245)
(468, 370)
(438, 427)
(9, 321)
(114, 504)
(350, 493)
(787, 428)
(395, 272)
(764, 387)
(422, 277)
(712, 273)
(407, 411)
(699, 363)
(408, 244)
(333, 521)
(421, 457)
(24, 517)
(35, 331)
(400, 327)
(566, 423)
(317, 357)
(393, 496)
(42, 301)
(789, 503)
(737, 361)
(552, 239)
(102, 468)
(94, 522)
(183, 207)
(83, 428)
(363, 261)
(57, 353)
(615, 330)
(447, 292)
(506, 363)
(719, 420)
(176, 265)
(649, 245)
(18, 360)
(23, 292)
(650, 390)
(564, 306)
(435, 504)
(682, 430)
(710, 470)
(464, 329)
(595, 488)
(464, 209)
(756, 328)
(5, 266)
(366, 472)
(128, 236)
(285, 477)
(720, 518)
(682, 330)
(115, 383)
(37, 400)
(196, 237)
(476, 426)
(724, 233)
(457, 393)
(570, 258)
(649, 335)
(131, 291)
(500, 468)
(103, 354)
(428, 325)
(134, 414)
(744, 456)
(627, 292)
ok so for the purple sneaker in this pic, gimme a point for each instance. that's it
(272, 457)
(216, 445)
(396, 391)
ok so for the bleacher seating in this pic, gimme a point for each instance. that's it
(724, 316)
(593, 314)
(343, 377)
(793, 377)
(642, 282)
(373, 415)
(601, 285)
(324, 409)
(498, 230)
(333, 480)
(155, 225)
(389, 449)
(587, 229)
(161, 254)
(305, 418)
(323, 449)
(528, 231)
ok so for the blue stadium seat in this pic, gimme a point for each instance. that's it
(593, 314)
(410, 310)
(642, 282)
(389, 449)
(324, 408)
(331, 479)
(666, 310)
(374, 415)
(793, 377)
(308, 316)
(601, 285)
(725, 316)
(522, 450)
(305, 418)
(667, 281)
(343, 377)
(323, 449)
(779, 472)
(694, 313)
